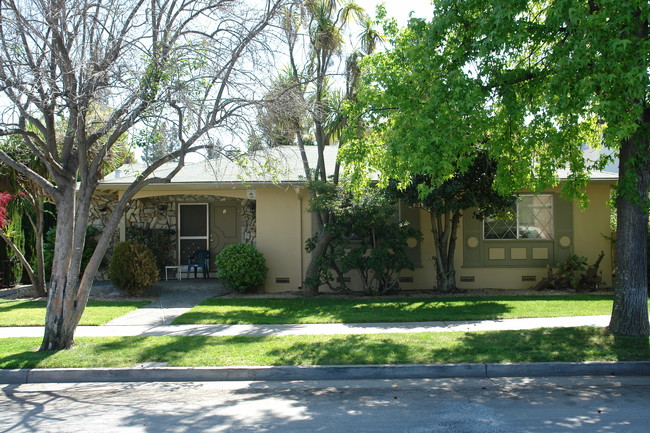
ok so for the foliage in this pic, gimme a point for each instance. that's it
(471, 188)
(517, 73)
(5, 197)
(241, 266)
(12, 233)
(133, 267)
(15, 232)
(158, 241)
(304, 104)
(573, 274)
(366, 238)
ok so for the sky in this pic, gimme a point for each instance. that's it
(400, 9)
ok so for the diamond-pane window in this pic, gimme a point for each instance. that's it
(533, 220)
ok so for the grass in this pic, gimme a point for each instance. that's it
(337, 310)
(540, 345)
(32, 313)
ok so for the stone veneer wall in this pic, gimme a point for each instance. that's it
(162, 213)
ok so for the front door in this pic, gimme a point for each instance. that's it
(193, 233)
(224, 226)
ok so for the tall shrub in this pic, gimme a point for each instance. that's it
(367, 238)
(158, 240)
(133, 267)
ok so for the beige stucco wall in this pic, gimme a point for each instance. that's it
(591, 228)
(281, 229)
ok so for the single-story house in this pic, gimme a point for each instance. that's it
(213, 203)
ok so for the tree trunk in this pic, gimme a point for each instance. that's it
(311, 284)
(40, 259)
(63, 308)
(63, 315)
(444, 240)
(630, 310)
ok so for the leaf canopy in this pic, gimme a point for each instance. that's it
(532, 82)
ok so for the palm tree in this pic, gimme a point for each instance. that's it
(322, 22)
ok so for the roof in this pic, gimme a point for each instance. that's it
(608, 176)
(282, 164)
(278, 165)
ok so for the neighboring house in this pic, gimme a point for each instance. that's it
(214, 203)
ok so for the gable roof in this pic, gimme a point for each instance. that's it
(282, 164)
(278, 165)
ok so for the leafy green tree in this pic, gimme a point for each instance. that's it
(539, 79)
(446, 203)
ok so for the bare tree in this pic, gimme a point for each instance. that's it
(188, 62)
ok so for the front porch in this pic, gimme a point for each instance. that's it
(174, 226)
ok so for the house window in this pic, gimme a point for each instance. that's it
(532, 218)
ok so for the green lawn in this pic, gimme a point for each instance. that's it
(336, 310)
(32, 313)
(541, 345)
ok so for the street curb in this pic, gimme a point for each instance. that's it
(322, 372)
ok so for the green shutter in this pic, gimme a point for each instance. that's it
(472, 229)
(412, 215)
(563, 215)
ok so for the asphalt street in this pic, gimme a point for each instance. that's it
(470, 405)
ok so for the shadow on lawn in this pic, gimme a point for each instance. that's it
(323, 310)
(25, 354)
(8, 306)
(540, 345)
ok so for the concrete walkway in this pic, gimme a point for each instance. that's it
(115, 329)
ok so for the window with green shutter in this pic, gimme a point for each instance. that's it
(538, 233)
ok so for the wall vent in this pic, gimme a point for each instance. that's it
(282, 280)
(467, 279)
(528, 278)
(405, 279)
(344, 279)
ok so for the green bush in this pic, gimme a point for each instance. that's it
(133, 267)
(241, 266)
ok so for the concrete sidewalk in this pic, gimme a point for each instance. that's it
(129, 330)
